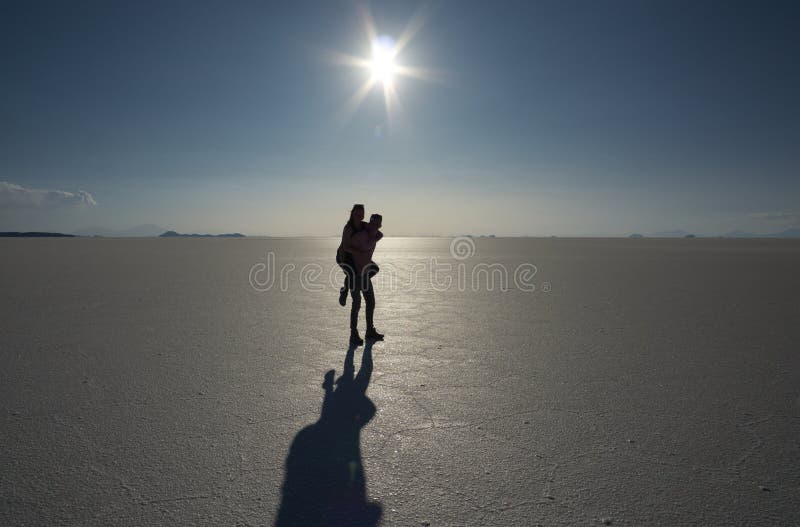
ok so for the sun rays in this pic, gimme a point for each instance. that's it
(383, 66)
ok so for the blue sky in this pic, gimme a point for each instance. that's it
(538, 118)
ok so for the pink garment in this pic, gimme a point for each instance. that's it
(345, 246)
(363, 242)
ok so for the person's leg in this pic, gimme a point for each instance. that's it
(355, 307)
(348, 279)
(347, 267)
(372, 269)
(355, 293)
(369, 296)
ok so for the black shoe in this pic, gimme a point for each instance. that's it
(342, 297)
(355, 339)
(371, 334)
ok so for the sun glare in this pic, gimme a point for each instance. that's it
(382, 64)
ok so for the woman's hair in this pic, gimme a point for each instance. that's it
(350, 222)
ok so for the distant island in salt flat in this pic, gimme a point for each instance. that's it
(788, 233)
(173, 234)
(167, 234)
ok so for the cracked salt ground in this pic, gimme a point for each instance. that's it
(652, 385)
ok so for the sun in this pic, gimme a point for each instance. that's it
(382, 64)
(382, 67)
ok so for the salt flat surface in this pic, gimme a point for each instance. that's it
(641, 382)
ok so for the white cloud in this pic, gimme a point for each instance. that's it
(17, 197)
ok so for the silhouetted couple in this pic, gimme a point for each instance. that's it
(325, 484)
(354, 256)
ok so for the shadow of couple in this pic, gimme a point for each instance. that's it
(325, 482)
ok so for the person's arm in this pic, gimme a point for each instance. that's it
(346, 233)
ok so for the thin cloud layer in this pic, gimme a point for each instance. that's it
(17, 197)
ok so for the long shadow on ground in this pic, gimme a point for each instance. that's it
(325, 484)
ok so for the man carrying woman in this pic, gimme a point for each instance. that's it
(354, 256)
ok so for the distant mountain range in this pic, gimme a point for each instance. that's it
(140, 231)
(147, 230)
(35, 235)
(669, 234)
(173, 234)
(151, 231)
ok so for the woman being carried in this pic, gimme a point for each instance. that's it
(355, 257)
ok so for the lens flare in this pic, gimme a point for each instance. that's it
(382, 66)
